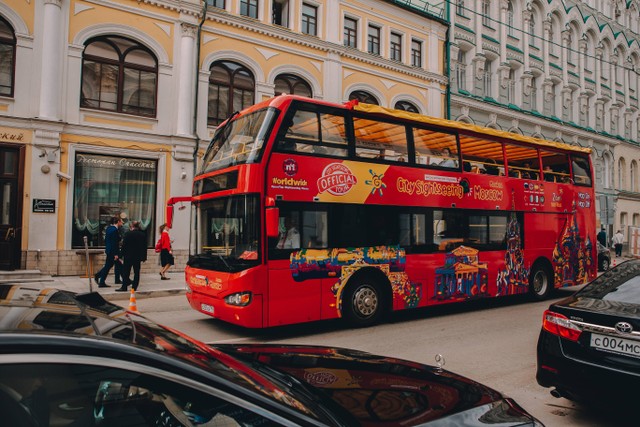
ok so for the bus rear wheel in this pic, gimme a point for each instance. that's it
(540, 281)
(362, 303)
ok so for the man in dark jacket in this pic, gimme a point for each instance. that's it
(112, 249)
(134, 252)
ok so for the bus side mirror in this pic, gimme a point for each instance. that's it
(273, 222)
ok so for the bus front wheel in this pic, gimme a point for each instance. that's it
(362, 303)
(540, 281)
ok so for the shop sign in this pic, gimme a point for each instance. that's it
(111, 162)
(44, 205)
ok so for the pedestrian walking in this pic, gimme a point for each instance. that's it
(602, 237)
(134, 252)
(617, 241)
(166, 254)
(117, 266)
(111, 249)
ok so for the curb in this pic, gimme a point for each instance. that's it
(124, 296)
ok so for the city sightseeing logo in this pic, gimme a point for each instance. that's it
(336, 179)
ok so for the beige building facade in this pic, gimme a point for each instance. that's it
(106, 106)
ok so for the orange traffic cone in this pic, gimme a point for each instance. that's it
(132, 302)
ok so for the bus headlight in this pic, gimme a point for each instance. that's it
(241, 299)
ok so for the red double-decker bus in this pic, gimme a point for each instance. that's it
(307, 210)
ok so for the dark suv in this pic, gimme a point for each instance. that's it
(604, 258)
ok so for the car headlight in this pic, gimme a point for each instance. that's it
(241, 299)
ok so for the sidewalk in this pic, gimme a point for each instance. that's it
(150, 285)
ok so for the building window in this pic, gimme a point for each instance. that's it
(486, 13)
(249, 8)
(231, 88)
(510, 29)
(7, 58)
(460, 7)
(280, 13)
(487, 80)
(120, 75)
(406, 106)
(533, 36)
(534, 94)
(395, 47)
(220, 4)
(416, 53)
(292, 85)
(373, 40)
(350, 32)
(309, 19)
(363, 96)
(511, 87)
(108, 186)
(461, 70)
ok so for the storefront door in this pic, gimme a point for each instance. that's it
(11, 161)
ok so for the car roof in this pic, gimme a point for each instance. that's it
(65, 320)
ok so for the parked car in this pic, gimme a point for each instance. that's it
(604, 257)
(589, 345)
(77, 360)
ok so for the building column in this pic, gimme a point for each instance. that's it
(185, 82)
(598, 70)
(566, 45)
(526, 19)
(52, 58)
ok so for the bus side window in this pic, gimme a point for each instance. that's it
(379, 140)
(481, 155)
(555, 166)
(581, 170)
(435, 148)
(314, 229)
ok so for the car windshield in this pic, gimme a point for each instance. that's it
(621, 284)
(228, 234)
(238, 141)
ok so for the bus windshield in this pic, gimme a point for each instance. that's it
(228, 234)
(239, 141)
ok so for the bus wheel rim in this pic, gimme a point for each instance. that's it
(539, 283)
(365, 301)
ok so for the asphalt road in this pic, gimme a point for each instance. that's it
(492, 342)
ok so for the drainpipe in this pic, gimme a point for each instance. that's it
(192, 228)
(197, 85)
(447, 56)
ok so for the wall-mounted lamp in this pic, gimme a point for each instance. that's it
(183, 174)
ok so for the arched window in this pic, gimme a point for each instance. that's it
(510, 29)
(633, 177)
(119, 74)
(292, 85)
(607, 173)
(231, 88)
(7, 58)
(406, 106)
(622, 165)
(363, 96)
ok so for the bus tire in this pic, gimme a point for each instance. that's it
(363, 302)
(540, 281)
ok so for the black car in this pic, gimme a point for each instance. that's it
(589, 345)
(604, 257)
(77, 360)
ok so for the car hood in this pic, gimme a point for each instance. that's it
(384, 391)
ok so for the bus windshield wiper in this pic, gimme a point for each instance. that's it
(224, 261)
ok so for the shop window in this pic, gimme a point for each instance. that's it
(7, 58)
(231, 88)
(108, 186)
(119, 74)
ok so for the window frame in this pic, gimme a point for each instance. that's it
(350, 34)
(395, 46)
(250, 7)
(231, 73)
(122, 65)
(13, 46)
(374, 41)
(306, 19)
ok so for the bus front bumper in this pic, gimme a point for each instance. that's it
(249, 316)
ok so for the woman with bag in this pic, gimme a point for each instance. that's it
(166, 254)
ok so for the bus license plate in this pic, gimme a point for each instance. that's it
(616, 345)
(206, 308)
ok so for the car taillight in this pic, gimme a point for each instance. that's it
(560, 325)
